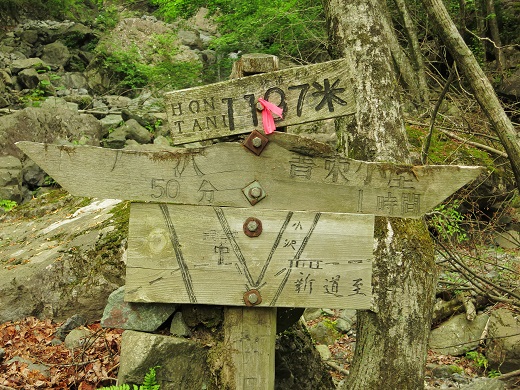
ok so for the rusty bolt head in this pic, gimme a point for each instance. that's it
(252, 227)
(257, 142)
(255, 192)
(252, 298)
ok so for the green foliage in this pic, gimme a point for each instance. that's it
(494, 374)
(158, 70)
(7, 205)
(10, 10)
(447, 221)
(288, 28)
(149, 383)
(107, 18)
(479, 359)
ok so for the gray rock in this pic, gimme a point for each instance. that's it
(116, 101)
(485, 384)
(311, 314)
(110, 122)
(178, 327)
(136, 132)
(77, 338)
(324, 351)
(10, 168)
(46, 124)
(30, 78)
(26, 63)
(183, 363)
(56, 54)
(71, 323)
(161, 141)
(190, 38)
(146, 317)
(342, 325)
(503, 345)
(324, 333)
(64, 266)
(116, 139)
(72, 80)
(445, 371)
(509, 239)
(458, 335)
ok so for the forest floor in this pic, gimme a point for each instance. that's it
(46, 364)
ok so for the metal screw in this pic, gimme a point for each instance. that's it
(257, 142)
(253, 298)
(252, 226)
(255, 192)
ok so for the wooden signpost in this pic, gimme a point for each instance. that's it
(275, 221)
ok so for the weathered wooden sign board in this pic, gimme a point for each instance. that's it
(305, 93)
(220, 255)
(222, 175)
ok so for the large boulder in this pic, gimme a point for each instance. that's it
(182, 363)
(503, 345)
(61, 256)
(56, 54)
(49, 123)
(458, 335)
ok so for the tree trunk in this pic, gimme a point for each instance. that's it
(392, 339)
(478, 82)
(414, 49)
(495, 35)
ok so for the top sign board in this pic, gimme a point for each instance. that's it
(305, 93)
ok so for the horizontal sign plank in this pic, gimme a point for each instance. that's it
(200, 254)
(217, 175)
(305, 93)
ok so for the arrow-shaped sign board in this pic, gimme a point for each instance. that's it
(305, 93)
(233, 256)
(227, 174)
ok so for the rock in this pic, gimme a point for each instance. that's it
(72, 81)
(287, 317)
(146, 317)
(56, 54)
(178, 327)
(503, 345)
(30, 78)
(10, 168)
(458, 335)
(71, 323)
(135, 131)
(110, 122)
(116, 139)
(324, 351)
(28, 63)
(47, 124)
(182, 363)
(77, 338)
(342, 325)
(324, 333)
(161, 141)
(190, 38)
(116, 101)
(509, 239)
(64, 267)
(32, 176)
(445, 371)
(312, 314)
(484, 384)
(510, 86)
(2, 354)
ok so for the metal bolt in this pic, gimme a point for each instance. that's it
(259, 106)
(255, 192)
(257, 142)
(252, 226)
(253, 298)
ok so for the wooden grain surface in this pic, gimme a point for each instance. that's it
(200, 254)
(291, 176)
(306, 94)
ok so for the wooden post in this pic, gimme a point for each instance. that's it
(250, 332)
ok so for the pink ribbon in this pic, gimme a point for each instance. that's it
(267, 115)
